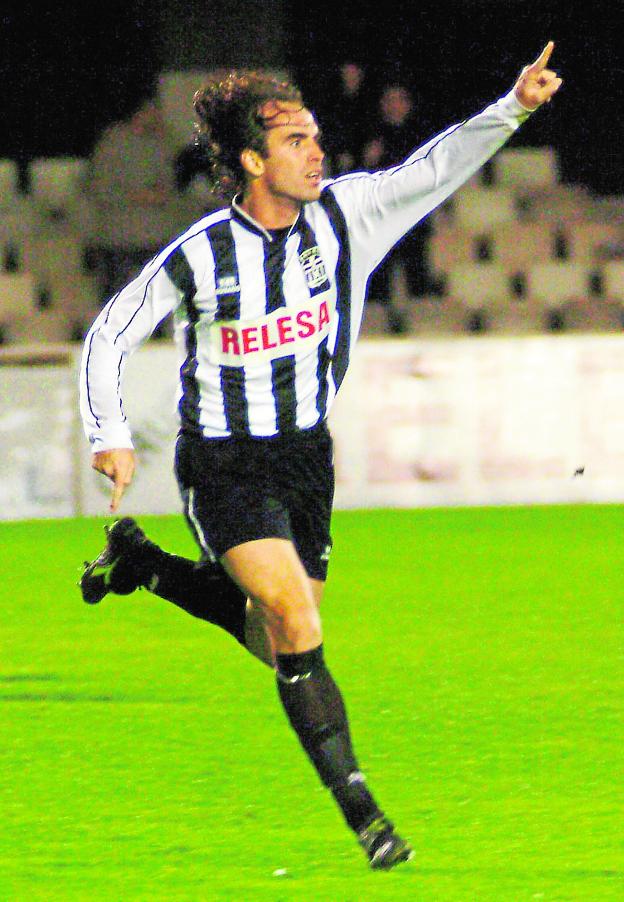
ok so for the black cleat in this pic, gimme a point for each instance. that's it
(116, 568)
(384, 847)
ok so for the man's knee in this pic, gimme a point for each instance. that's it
(294, 624)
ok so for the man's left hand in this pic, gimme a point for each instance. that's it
(537, 84)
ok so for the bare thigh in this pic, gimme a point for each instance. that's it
(270, 572)
(318, 587)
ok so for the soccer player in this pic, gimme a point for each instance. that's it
(267, 295)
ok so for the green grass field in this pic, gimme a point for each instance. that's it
(144, 755)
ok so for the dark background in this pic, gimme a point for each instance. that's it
(70, 69)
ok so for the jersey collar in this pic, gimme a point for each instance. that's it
(250, 223)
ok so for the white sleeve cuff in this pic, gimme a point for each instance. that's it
(115, 435)
(510, 105)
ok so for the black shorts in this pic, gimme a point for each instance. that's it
(236, 490)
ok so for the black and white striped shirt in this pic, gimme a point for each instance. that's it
(265, 324)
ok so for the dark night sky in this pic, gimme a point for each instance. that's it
(68, 70)
(72, 68)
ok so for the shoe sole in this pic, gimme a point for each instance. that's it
(381, 864)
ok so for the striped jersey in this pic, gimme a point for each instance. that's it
(264, 322)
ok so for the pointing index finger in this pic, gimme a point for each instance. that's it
(542, 61)
(118, 489)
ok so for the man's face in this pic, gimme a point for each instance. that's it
(293, 161)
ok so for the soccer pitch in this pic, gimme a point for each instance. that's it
(144, 755)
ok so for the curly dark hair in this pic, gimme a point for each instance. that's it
(230, 119)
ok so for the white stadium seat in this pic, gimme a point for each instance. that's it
(54, 258)
(518, 317)
(55, 183)
(559, 204)
(517, 245)
(478, 285)
(526, 167)
(375, 320)
(17, 295)
(613, 279)
(39, 327)
(555, 283)
(592, 242)
(449, 247)
(475, 209)
(17, 291)
(439, 316)
(593, 315)
(9, 182)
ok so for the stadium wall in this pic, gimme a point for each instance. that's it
(436, 422)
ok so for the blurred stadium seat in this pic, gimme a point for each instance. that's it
(450, 247)
(437, 316)
(79, 299)
(54, 257)
(593, 315)
(17, 292)
(375, 320)
(478, 286)
(525, 167)
(44, 316)
(518, 245)
(39, 327)
(56, 183)
(16, 218)
(17, 301)
(591, 242)
(612, 272)
(560, 204)
(606, 208)
(17, 224)
(559, 282)
(520, 317)
(474, 209)
(9, 182)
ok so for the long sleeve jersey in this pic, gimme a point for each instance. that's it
(265, 327)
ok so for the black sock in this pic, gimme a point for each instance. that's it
(202, 589)
(318, 716)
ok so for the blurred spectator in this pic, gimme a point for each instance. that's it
(344, 120)
(393, 133)
(394, 137)
(136, 206)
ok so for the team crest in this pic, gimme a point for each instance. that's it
(314, 269)
(227, 285)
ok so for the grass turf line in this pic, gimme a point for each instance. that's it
(143, 755)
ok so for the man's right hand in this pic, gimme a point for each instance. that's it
(119, 465)
(537, 84)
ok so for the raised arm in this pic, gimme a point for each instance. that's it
(381, 207)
